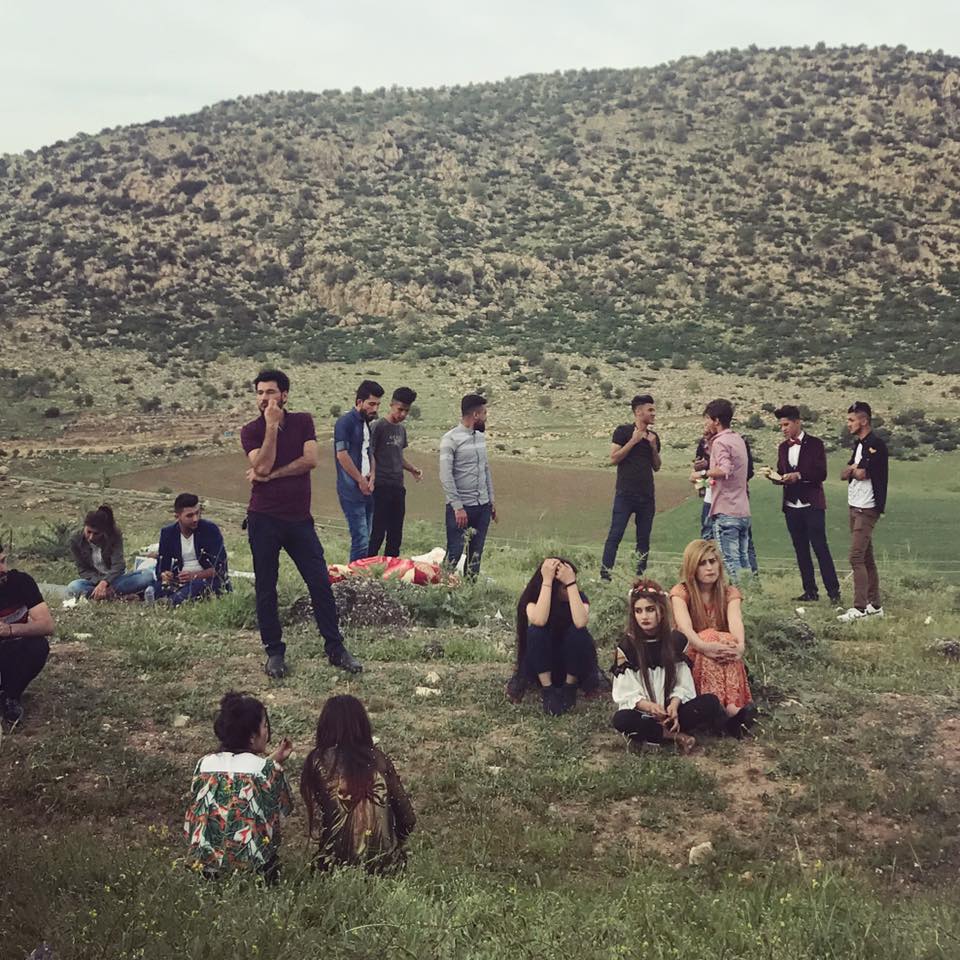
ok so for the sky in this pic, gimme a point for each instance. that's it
(68, 67)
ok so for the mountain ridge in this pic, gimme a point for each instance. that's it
(741, 209)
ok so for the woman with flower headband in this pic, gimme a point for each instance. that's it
(707, 612)
(652, 684)
(554, 647)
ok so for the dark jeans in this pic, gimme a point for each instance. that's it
(808, 528)
(703, 712)
(389, 509)
(21, 659)
(643, 509)
(570, 652)
(478, 518)
(194, 590)
(268, 536)
(359, 514)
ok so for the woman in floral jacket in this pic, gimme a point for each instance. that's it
(239, 796)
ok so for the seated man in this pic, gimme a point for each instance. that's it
(25, 624)
(192, 561)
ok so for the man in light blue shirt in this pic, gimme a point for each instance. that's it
(356, 469)
(467, 484)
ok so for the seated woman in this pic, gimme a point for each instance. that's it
(554, 647)
(97, 549)
(652, 684)
(25, 624)
(707, 612)
(239, 796)
(357, 810)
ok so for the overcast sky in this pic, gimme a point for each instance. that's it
(69, 66)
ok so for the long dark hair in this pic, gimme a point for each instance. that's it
(102, 521)
(343, 727)
(239, 721)
(530, 594)
(634, 642)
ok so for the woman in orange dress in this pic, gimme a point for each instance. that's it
(706, 610)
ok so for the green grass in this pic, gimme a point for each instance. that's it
(834, 830)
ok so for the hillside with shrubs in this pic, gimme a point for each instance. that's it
(750, 210)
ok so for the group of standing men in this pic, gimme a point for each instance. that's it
(281, 447)
(723, 467)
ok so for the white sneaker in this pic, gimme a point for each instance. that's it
(852, 614)
(873, 611)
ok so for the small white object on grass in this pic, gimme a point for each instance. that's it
(180, 720)
(432, 678)
(83, 636)
(700, 853)
(800, 611)
(427, 692)
(928, 621)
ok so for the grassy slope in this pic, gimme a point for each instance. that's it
(834, 829)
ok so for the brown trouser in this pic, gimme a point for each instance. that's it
(866, 580)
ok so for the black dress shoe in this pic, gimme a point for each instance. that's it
(835, 600)
(345, 660)
(807, 598)
(10, 709)
(276, 666)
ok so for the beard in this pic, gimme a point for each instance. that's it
(481, 427)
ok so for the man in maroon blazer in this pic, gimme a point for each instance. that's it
(802, 465)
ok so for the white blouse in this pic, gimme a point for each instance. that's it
(628, 685)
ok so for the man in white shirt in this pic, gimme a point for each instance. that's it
(192, 561)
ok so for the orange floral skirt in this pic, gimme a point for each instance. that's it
(727, 680)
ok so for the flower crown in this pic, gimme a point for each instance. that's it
(646, 592)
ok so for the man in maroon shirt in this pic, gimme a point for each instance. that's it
(282, 450)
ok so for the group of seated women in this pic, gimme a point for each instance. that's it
(667, 682)
(357, 811)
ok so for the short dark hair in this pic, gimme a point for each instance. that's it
(861, 407)
(787, 412)
(277, 376)
(471, 402)
(721, 410)
(641, 399)
(238, 721)
(368, 388)
(404, 395)
(184, 501)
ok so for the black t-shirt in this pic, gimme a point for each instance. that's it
(635, 470)
(561, 619)
(19, 593)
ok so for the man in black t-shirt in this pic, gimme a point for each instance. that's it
(636, 453)
(25, 624)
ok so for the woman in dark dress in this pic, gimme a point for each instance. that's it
(554, 648)
(357, 810)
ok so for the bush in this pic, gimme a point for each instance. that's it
(51, 413)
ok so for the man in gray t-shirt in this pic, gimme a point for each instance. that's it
(388, 440)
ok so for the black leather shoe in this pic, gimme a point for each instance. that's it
(807, 598)
(345, 660)
(276, 666)
(836, 601)
(10, 709)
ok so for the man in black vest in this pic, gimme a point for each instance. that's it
(802, 465)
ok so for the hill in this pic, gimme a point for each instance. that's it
(745, 209)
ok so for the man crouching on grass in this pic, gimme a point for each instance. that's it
(25, 624)
(193, 558)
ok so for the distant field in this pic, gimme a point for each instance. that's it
(572, 507)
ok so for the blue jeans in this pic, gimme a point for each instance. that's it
(706, 524)
(268, 536)
(134, 582)
(733, 538)
(478, 519)
(194, 590)
(642, 509)
(359, 514)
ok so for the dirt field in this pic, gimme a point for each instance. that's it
(534, 498)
